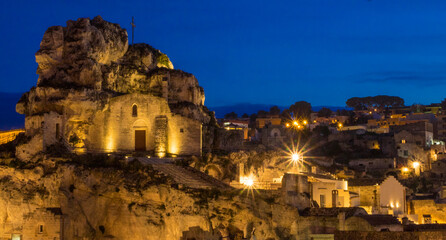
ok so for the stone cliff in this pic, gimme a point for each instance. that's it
(107, 198)
(88, 57)
(86, 64)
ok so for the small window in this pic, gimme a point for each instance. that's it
(40, 228)
(403, 141)
(135, 111)
(181, 130)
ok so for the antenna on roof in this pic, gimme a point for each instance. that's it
(133, 28)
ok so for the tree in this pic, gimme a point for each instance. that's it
(231, 115)
(262, 114)
(443, 105)
(324, 112)
(380, 101)
(252, 120)
(274, 110)
(301, 110)
(245, 115)
(342, 112)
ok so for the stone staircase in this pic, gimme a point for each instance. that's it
(187, 176)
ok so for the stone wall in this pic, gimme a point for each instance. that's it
(428, 207)
(359, 235)
(160, 136)
(40, 224)
(114, 129)
(368, 195)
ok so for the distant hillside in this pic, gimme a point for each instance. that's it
(251, 108)
(10, 119)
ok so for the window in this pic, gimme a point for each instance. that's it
(40, 228)
(403, 141)
(406, 153)
(334, 198)
(427, 219)
(135, 111)
(181, 130)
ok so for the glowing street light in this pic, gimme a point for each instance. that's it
(287, 125)
(405, 169)
(295, 123)
(305, 122)
(415, 164)
(295, 157)
(249, 182)
(339, 125)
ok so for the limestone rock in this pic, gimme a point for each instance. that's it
(86, 65)
(127, 203)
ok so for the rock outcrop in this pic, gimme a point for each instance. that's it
(132, 202)
(88, 64)
(93, 56)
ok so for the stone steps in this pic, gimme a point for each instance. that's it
(187, 176)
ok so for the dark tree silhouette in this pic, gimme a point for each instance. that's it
(231, 115)
(380, 101)
(300, 109)
(274, 110)
(262, 114)
(324, 112)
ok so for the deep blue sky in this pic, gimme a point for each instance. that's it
(272, 52)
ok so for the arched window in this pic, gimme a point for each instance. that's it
(135, 111)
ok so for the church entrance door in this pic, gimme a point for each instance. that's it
(140, 140)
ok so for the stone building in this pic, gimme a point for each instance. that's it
(329, 193)
(274, 135)
(384, 196)
(42, 224)
(96, 93)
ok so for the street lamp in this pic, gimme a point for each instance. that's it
(416, 166)
(295, 157)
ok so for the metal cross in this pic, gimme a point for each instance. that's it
(133, 28)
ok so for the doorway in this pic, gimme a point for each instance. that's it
(140, 140)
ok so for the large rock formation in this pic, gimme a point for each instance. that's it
(86, 66)
(128, 201)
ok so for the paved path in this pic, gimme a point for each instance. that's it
(184, 175)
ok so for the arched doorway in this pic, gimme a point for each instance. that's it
(140, 140)
(140, 135)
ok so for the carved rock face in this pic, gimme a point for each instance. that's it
(92, 58)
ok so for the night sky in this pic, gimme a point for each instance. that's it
(271, 52)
